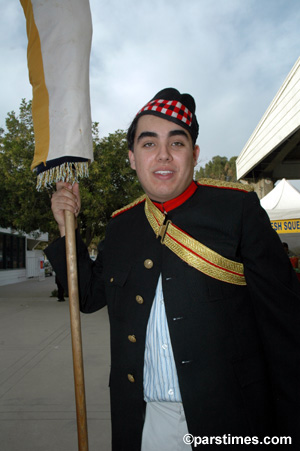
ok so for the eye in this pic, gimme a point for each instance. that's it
(148, 144)
(177, 143)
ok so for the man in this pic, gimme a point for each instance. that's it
(203, 303)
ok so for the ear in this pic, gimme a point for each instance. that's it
(196, 152)
(131, 159)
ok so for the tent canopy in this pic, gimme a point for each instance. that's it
(282, 205)
(283, 202)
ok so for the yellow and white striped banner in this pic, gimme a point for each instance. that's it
(59, 43)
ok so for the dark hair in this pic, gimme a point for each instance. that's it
(131, 133)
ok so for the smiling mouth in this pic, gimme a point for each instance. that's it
(163, 172)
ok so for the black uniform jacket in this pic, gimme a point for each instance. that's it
(236, 348)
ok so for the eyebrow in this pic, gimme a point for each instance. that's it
(178, 132)
(155, 135)
(147, 135)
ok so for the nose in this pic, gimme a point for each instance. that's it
(164, 154)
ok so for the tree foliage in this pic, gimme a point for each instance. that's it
(21, 207)
(219, 168)
(111, 184)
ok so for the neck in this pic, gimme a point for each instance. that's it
(169, 205)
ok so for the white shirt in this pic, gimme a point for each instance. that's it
(160, 375)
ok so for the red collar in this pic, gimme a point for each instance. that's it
(165, 207)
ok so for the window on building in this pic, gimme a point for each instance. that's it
(1, 250)
(12, 251)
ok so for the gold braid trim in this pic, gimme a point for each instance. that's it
(192, 251)
(223, 184)
(129, 206)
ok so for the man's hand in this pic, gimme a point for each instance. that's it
(66, 197)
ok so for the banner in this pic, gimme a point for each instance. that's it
(286, 225)
(58, 53)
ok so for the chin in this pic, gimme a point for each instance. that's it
(164, 197)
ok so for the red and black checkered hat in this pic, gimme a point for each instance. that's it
(175, 107)
(171, 105)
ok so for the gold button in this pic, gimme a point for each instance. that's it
(132, 338)
(148, 263)
(112, 279)
(130, 378)
(139, 299)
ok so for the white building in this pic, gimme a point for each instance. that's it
(273, 150)
(19, 260)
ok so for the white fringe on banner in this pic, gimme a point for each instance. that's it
(66, 172)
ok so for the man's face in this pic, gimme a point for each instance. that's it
(163, 157)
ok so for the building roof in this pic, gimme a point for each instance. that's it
(273, 150)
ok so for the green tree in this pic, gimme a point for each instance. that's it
(219, 168)
(21, 207)
(111, 185)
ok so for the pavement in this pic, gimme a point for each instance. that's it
(37, 401)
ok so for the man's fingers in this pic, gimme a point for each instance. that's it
(60, 185)
(64, 202)
(66, 197)
(75, 189)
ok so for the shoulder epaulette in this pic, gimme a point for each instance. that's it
(226, 185)
(137, 201)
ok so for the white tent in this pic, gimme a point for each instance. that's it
(283, 207)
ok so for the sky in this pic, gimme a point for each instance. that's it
(231, 55)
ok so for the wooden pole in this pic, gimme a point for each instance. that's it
(76, 332)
